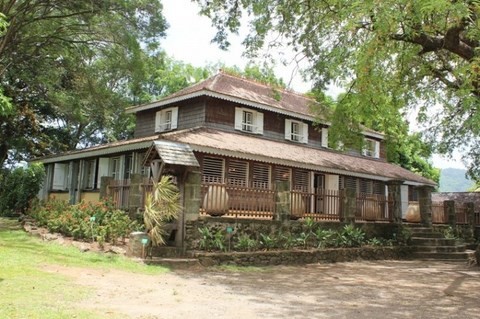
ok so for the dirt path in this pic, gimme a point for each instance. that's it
(389, 289)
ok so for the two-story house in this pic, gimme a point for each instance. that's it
(238, 133)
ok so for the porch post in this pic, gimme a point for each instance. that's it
(135, 193)
(470, 212)
(425, 205)
(449, 211)
(349, 206)
(104, 182)
(395, 194)
(190, 196)
(282, 201)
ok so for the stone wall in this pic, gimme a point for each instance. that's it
(300, 257)
(254, 228)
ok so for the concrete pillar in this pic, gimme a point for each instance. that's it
(449, 211)
(190, 197)
(104, 181)
(395, 194)
(425, 205)
(470, 212)
(136, 193)
(349, 207)
(282, 201)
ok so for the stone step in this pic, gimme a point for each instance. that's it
(450, 256)
(175, 263)
(422, 241)
(440, 249)
(428, 235)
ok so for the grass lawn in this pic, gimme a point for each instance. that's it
(27, 291)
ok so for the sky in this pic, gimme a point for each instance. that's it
(189, 40)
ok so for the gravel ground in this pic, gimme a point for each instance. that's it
(381, 289)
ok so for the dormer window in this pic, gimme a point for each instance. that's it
(248, 120)
(296, 131)
(166, 119)
(371, 148)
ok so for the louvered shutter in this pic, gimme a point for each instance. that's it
(238, 118)
(258, 123)
(103, 164)
(324, 137)
(174, 124)
(304, 133)
(158, 121)
(59, 176)
(376, 152)
(288, 129)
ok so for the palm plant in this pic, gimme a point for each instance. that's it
(161, 206)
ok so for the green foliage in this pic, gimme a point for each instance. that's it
(324, 237)
(110, 224)
(212, 240)
(19, 187)
(245, 243)
(403, 237)
(268, 242)
(161, 207)
(349, 236)
(90, 71)
(392, 57)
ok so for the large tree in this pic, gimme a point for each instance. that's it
(68, 68)
(391, 56)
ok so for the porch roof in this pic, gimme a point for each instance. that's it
(171, 153)
(250, 147)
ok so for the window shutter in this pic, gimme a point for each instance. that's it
(59, 177)
(212, 171)
(324, 137)
(258, 122)
(238, 118)
(103, 164)
(304, 133)
(288, 129)
(376, 153)
(158, 121)
(174, 117)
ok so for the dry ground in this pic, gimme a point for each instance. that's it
(386, 289)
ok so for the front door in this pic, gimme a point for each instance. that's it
(319, 189)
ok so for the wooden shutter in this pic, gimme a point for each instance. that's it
(103, 165)
(281, 173)
(376, 150)
(304, 129)
(261, 175)
(212, 170)
(174, 124)
(158, 121)
(258, 122)
(324, 137)
(59, 176)
(300, 180)
(238, 118)
(288, 129)
(237, 173)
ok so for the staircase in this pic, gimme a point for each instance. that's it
(431, 245)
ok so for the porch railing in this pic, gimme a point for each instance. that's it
(324, 204)
(373, 207)
(438, 213)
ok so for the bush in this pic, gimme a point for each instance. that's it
(19, 187)
(88, 221)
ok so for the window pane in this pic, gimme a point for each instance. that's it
(247, 121)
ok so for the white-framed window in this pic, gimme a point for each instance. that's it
(166, 119)
(248, 120)
(296, 131)
(60, 176)
(371, 148)
(89, 174)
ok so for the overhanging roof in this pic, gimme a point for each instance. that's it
(171, 153)
(250, 147)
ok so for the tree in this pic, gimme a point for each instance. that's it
(391, 56)
(68, 69)
(161, 207)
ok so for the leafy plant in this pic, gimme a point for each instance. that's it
(350, 236)
(302, 239)
(245, 243)
(324, 237)
(267, 241)
(210, 240)
(161, 207)
(288, 241)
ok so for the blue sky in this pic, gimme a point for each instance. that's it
(189, 40)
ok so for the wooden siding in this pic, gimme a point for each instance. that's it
(191, 114)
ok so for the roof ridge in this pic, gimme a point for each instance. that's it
(266, 85)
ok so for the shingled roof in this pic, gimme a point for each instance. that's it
(245, 146)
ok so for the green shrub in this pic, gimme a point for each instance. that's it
(350, 236)
(19, 187)
(245, 243)
(88, 221)
(324, 237)
(268, 242)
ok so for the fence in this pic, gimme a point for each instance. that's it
(373, 207)
(439, 215)
(119, 192)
